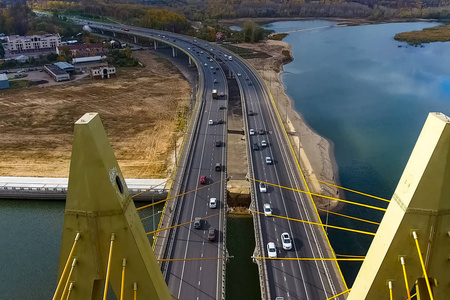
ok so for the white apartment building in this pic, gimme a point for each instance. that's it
(46, 42)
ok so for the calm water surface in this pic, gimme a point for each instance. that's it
(370, 97)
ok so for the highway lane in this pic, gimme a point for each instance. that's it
(291, 279)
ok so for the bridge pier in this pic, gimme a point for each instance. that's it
(190, 61)
(135, 39)
(155, 45)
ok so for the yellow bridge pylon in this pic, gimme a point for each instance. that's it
(412, 244)
(104, 243)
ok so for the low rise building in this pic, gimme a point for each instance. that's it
(4, 83)
(65, 67)
(103, 72)
(19, 44)
(84, 64)
(56, 73)
(84, 50)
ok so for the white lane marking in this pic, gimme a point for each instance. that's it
(284, 278)
(201, 268)
(202, 255)
(199, 282)
(281, 265)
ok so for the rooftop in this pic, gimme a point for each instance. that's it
(86, 59)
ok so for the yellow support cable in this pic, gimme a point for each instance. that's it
(414, 295)
(347, 189)
(344, 292)
(148, 233)
(135, 291)
(77, 237)
(68, 278)
(108, 269)
(188, 259)
(390, 290)
(176, 196)
(318, 195)
(402, 262)
(320, 224)
(124, 264)
(354, 256)
(358, 219)
(149, 189)
(423, 265)
(70, 291)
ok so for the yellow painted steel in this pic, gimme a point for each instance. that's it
(176, 196)
(124, 264)
(309, 259)
(148, 233)
(350, 217)
(98, 204)
(342, 293)
(318, 195)
(77, 237)
(402, 262)
(319, 224)
(68, 278)
(350, 190)
(419, 204)
(70, 291)
(423, 265)
(390, 290)
(108, 269)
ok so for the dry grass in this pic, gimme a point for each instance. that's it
(139, 110)
(426, 35)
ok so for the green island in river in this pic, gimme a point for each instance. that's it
(427, 35)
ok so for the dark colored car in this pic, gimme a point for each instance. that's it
(218, 143)
(251, 113)
(222, 107)
(212, 235)
(218, 167)
(220, 121)
(261, 131)
(197, 223)
(255, 146)
(202, 180)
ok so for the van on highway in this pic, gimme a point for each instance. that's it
(218, 167)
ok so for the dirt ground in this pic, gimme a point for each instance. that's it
(140, 114)
(316, 153)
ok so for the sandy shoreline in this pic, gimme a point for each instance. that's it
(316, 153)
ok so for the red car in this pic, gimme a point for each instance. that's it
(202, 179)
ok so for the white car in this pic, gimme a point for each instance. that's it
(263, 143)
(206, 64)
(210, 122)
(268, 160)
(212, 203)
(267, 209)
(286, 240)
(239, 74)
(262, 187)
(211, 60)
(271, 250)
(251, 132)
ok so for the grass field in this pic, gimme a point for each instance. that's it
(140, 110)
(426, 35)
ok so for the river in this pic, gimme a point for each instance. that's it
(358, 88)
(353, 85)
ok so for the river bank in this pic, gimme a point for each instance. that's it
(315, 152)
